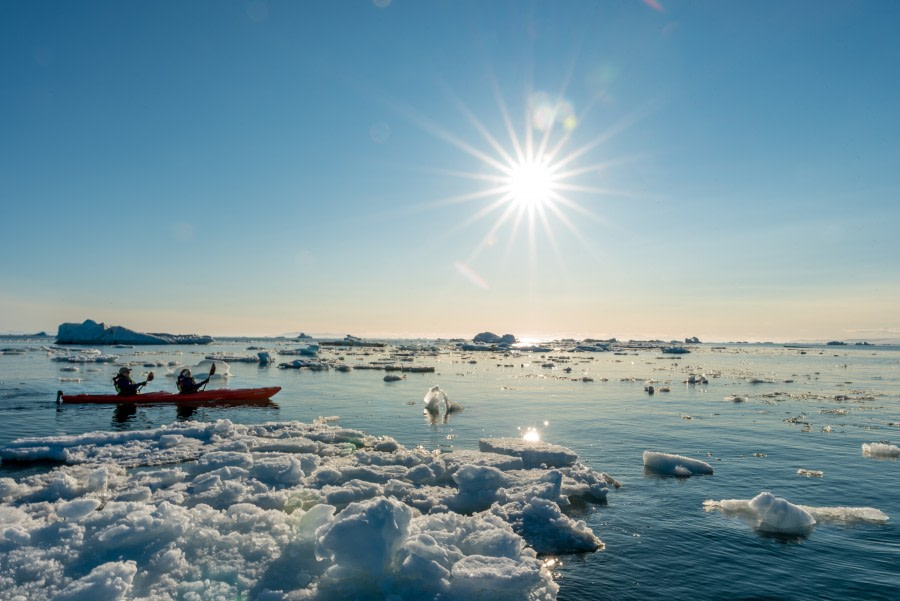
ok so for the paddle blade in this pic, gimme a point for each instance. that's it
(150, 377)
(212, 369)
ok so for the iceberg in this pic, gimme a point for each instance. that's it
(491, 338)
(284, 510)
(91, 332)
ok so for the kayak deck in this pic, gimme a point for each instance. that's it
(202, 396)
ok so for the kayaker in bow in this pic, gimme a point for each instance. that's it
(125, 386)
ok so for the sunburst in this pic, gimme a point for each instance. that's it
(532, 178)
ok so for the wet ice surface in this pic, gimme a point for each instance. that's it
(669, 464)
(284, 511)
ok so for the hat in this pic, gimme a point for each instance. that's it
(124, 370)
(185, 372)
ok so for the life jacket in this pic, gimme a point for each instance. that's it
(120, 381)
(186, 384)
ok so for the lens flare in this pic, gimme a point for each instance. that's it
(471, 275)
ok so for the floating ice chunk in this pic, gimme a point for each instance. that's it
(201, 370)
(847, 515)
(774, 514)
(533, 453)
(108, 582)
(810, 473)
(675, 465)
(880, 449)
(434, 398)
(778, 515)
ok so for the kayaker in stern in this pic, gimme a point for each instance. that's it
(187, 384)
(125, 386)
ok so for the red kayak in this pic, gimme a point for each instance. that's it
(202, 396)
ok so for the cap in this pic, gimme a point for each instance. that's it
(124, 370)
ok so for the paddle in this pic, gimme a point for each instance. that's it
(150, 377)
(212, 370)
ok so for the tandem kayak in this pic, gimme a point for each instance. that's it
(202, 396)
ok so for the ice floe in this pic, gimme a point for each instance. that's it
(223, 370)
(667, 464)
(769, 513)
(810, 473)
(880, 449)
(284, 511)
(533, 453)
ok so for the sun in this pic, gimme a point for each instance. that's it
(531, 185)
(530, 178)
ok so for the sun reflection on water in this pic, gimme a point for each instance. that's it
(531, 435)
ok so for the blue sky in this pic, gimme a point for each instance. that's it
(726, 170)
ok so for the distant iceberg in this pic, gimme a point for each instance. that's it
(91, 332)
(491, 338)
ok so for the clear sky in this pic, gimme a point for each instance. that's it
(627, 168)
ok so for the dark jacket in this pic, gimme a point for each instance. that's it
(125, 386)
(188, 385)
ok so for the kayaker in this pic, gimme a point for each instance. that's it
(187, 384)
(125, 386)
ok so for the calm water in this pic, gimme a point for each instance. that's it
(660, 543)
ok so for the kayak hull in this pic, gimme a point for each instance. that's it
(220, 395)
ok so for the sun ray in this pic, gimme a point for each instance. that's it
(507, 122)
(486, 239)
(459, 199)
(479, 126)
(442, 134)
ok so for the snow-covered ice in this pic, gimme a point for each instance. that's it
(285, 511)
(667, 464)
(774, 514)
(533, 453)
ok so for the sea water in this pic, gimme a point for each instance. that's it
(757, 414)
